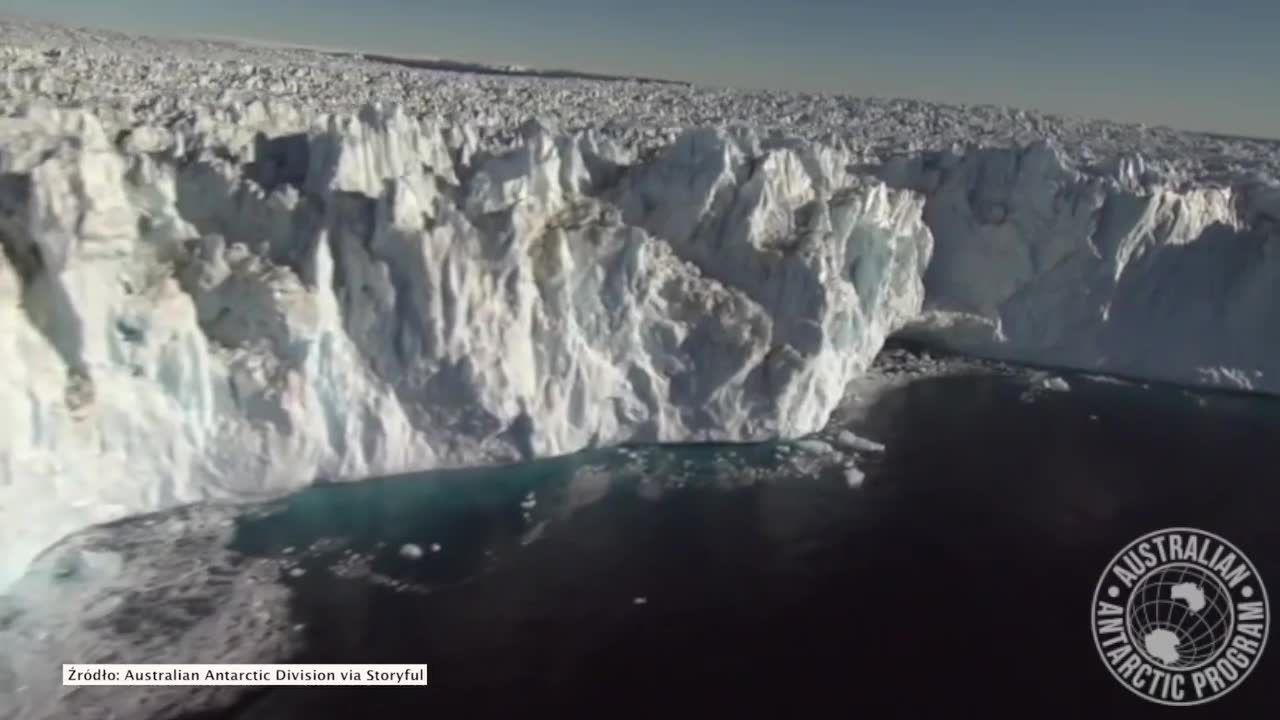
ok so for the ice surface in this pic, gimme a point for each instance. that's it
(131, 81)
(229, 271)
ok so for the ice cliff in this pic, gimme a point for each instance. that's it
(210, 292)
(233, 316)
(1112, 269)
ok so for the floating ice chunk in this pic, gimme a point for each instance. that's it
(640, 600)
(816, 447)
(849, 441)
(854, 477)
(1056, 384)
(436, 547)
(534, 534)
(1229, 377)
(409, 551)
(1041, 383)
(1108, 380)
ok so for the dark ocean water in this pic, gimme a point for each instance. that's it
(955, 582)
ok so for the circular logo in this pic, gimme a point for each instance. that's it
(1180, 616)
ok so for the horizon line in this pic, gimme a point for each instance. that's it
(412, 60)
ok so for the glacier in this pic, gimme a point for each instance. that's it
(196, 328)
(231, 272)
(1040, 261)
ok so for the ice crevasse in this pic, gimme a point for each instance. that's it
(235, 309)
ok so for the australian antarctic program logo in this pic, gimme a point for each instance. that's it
(1180, 616)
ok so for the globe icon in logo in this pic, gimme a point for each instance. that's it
(1180, 617)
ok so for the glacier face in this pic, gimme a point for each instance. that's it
(1037, 261)
(370, 294)
(226, 275)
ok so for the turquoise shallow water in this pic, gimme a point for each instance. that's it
(753, 578)
(487, 512)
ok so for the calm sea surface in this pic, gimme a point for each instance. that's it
(955, 582)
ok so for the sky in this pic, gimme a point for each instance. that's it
(1209, 65)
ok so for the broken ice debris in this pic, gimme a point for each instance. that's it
(1055, 384)
(850, 441)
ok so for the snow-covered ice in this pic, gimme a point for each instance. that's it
(229, 271)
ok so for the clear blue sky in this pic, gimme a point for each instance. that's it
(1197, 64)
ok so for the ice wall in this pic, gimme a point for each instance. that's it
(1113, 269)
(236, 310)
